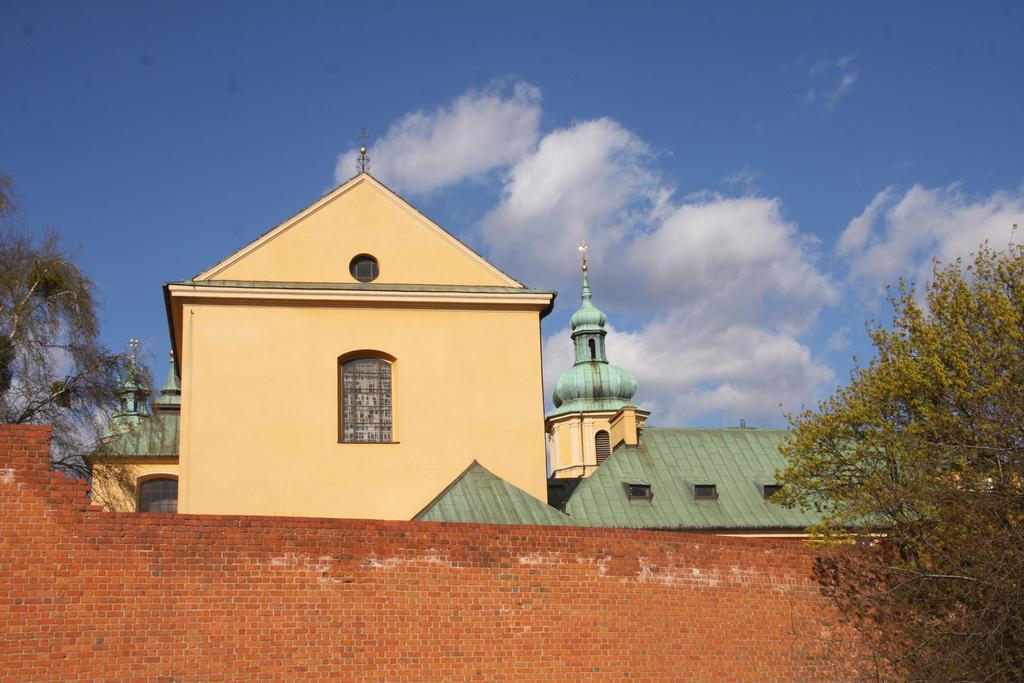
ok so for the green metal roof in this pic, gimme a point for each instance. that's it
(477, 495)
(154, 437)
(362, 286)
(737, 461)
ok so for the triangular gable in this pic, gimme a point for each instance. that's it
(480, 496)
(362, 216)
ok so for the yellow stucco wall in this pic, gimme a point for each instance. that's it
(259, 368)
(318, 244)
(115, 481)
(572, 448)
(259, 425)
(571, 445)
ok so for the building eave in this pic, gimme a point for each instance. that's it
(169, 312)
(426, 296)
(134, 459)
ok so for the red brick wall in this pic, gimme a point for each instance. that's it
(86, 594)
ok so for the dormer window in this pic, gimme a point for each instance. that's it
(705, 492)
(638, 491)
(769, 490)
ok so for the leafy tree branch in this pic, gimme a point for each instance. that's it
(917, 466)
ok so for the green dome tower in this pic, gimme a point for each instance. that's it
(593, 399)
(132, 395)
(592, 383)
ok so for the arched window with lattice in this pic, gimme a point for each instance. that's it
(365, 396)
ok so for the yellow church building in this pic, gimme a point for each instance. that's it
(351, 362)
(358, 361)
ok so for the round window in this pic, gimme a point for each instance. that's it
(364, 268)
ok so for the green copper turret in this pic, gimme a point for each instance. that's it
(131, 398)
(592, 383)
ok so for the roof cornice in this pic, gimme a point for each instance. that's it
(380, 295)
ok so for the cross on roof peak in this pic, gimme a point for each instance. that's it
(362, 161)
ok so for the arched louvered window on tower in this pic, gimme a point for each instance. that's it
(603, 445)
(365, 391)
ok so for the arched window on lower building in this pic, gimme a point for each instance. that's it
(603, 446)
(159, 494)
(365, 391)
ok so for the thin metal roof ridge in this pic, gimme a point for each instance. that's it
(360, 286)
(744, 430)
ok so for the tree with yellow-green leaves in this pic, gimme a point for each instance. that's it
(917, 467)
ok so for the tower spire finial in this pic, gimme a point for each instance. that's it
(133, 350)
(583, 249)
(362, 161)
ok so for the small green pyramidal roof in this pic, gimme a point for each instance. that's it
(592, 383)
(480, 496)
(170, 394)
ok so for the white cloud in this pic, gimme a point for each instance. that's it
(899, 234)
(716, 291)
(730, 258)
(736, 256)
(831, 80)
(478, 132)
(725, 284)
(838, 340)
(722, 371)
(857, 232)
(745, 179)
(581, 183)
(720, 288)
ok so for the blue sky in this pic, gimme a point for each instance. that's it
(749, 175)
